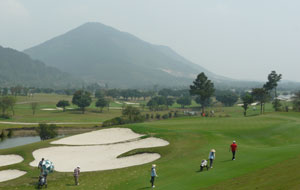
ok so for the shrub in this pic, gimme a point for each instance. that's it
(5, 116)
(122, 121)
(139, 119)
(176, 114)
(165, 116)
(152, 116)
(63, 104)
(47, 131)
(147, 116)
(3, 134)
(10, 133)
(115, 121)
(157, 116)
(132, 113)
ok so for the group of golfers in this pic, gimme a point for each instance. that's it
(212, 156)
(204, 164)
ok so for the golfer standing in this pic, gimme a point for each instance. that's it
(40, 166)
(76, 174)
(153, 175)
(233, 148)
(211, 157)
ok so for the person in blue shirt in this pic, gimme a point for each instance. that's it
(153, 175)
(211, 157)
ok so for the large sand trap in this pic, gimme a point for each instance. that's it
(6, 160)
(128, 103)
(6, 175)
(98, 157)
(104, 136)
(51, 109)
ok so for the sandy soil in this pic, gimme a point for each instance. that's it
(48, 109)
(6, 160)
(128, 103)
(6, 175)
(98, 157)
(104, 136)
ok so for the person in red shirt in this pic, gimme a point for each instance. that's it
(233, 148)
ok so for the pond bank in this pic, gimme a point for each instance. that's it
(29, 135)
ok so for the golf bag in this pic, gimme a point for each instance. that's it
(203, 165)
(42, 181)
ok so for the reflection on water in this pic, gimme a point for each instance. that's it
(17, 141)
(6, 142)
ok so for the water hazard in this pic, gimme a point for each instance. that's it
(17, 141)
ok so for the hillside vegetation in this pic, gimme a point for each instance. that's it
(17, 68)
(100, 53)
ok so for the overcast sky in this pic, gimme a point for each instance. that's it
(240, 39)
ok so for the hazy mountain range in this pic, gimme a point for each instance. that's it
(99, 53)
(96, 53)
(17, 68)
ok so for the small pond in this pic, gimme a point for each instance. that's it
(17, 141)
(23, 140)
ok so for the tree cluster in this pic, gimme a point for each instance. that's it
(184, 101)
(159, 103)
(47, 131)
(263, 95)
(7, 103)
(82, 99)
(203, 89)
(228, 98)
(166, 92)
(63, 104)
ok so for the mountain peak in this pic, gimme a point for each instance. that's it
(103, 54)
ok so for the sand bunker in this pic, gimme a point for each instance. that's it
(98, 157)
(128, 103)
(6, 160)
(51, 109)
(105, 136)
(48, 109)
(6, 175)
(131, 103)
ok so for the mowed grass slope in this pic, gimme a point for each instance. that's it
(267, 158)
(23, 111)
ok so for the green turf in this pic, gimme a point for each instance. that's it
(267, 158)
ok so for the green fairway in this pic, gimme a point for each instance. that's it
(268, 145)
(23, 112)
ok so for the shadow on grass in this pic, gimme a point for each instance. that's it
(144, 188)
(226, 160)
(70, 185)
(199, 171)
(78, 112)
(253, 115)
